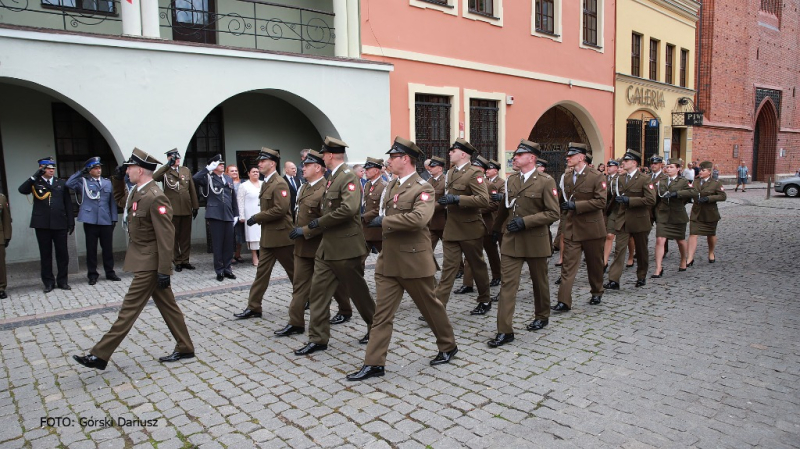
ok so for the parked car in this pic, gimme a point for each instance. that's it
(789, 186)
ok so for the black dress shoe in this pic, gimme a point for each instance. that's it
(421, 318)
(460, 274)
(92, 281)
(364, 340)
(113, 277)
(188, 266)
(500, 340)
(495, 282)
(366, 372)
(537, 324)
(481, 308)
(3, 294)
(179, 268)
(339, 318)
(247, 313)
(641, 282)
(558, 281)
(90, 361)
(659, 274)
(464, 289)
(310, 348)
(611, 285)
(559, 264)
(175, 356)
(220, 277)
(289, 330)
(444, 357)
(596, 299)
(629, 266)
(495, 298)
(229, 275)
(560, 307)
(65, 287)
(48, 288)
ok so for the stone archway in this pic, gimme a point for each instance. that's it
(765, 141)
(554, 130)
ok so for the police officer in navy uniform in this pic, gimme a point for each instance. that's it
(98, 213)
(222, 213)
(52, 218)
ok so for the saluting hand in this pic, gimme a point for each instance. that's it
(296, 233)
(119, 172)
(163, 280)
(37, 173)
(516, 224)
(376, 222)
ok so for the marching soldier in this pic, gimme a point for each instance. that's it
(371, 202)
(98, 213)
(529, 207)
(5, 235)
(149, 256)
(465, 195)
(222, 213)
(612, 167)
(496, 186)
(634, 196)
(672, 195)
(541, 165)
(436, 225)
(656, 169)
(52, 218)
(406, 262)
(275, 219)
(338, 259)
(178, 185)
(705, 214)
(308, 208)
(584, 226)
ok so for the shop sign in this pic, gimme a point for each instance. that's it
(645, 97)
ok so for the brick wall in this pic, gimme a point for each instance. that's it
(739, 49)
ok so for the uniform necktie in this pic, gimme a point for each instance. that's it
(669, 181)
(574, 178)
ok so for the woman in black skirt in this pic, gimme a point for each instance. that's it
(671, 218)
(705, 214)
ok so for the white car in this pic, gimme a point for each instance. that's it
(789, 186)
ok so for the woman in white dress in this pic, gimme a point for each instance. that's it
(249, 205)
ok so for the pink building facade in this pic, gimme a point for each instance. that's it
(495, 72)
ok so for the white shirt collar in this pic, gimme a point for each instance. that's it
(269, 176)
(333, 170)
(144, 185)
(527, 175)
(578, 173)
(436, 178)
(313, 183)
(462, 165)
(632, 172)
(405, 178)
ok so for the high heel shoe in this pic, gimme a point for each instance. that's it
(681, 269)
(628, 265)
(712, 260)
(689, 264)
(659, 274)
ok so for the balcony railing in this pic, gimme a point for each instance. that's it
(254, 24)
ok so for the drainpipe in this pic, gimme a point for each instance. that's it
(131, 17)
(150, 25)
(340, 42)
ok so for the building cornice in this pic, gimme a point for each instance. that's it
(655, 84)
(688, 9)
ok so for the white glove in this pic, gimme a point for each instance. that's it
(235, 220)
(212, 166)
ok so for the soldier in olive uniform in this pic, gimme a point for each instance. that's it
(439, 218)
(584, 226)
(5, 236)
(635, 197)
(338, 259)
(705, 213)
(673, 193)
(179, 188)
(610, 212)
(275, 219)
(308, 207)
(529, 207)
(53, 220)
(406, 262)
(149, 257)
(372, 195)
(496, 186)
(465, 196)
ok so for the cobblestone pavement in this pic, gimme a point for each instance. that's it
(705, 358)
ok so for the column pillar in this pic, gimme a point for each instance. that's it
(150, 22)
(340, 42)
(353, 29)
(131, 17)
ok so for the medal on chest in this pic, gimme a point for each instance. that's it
(135, 207)
(396, 197)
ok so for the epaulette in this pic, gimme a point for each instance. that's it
(422, 182)
(347, 170)
(545, 175)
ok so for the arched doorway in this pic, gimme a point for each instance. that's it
(765, 142)
(554, 130)
(642, 133)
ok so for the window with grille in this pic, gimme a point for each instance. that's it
(104, 7)
(636, 54)
(590, 22)
(485, 7)
(432, 124)
(670, 56)
(651, 139)
(483, 127)
(206, 142)
(653, 59)
(545, 16)
(684, 63)
(633, 135)
(771, 7)
(76, 140)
